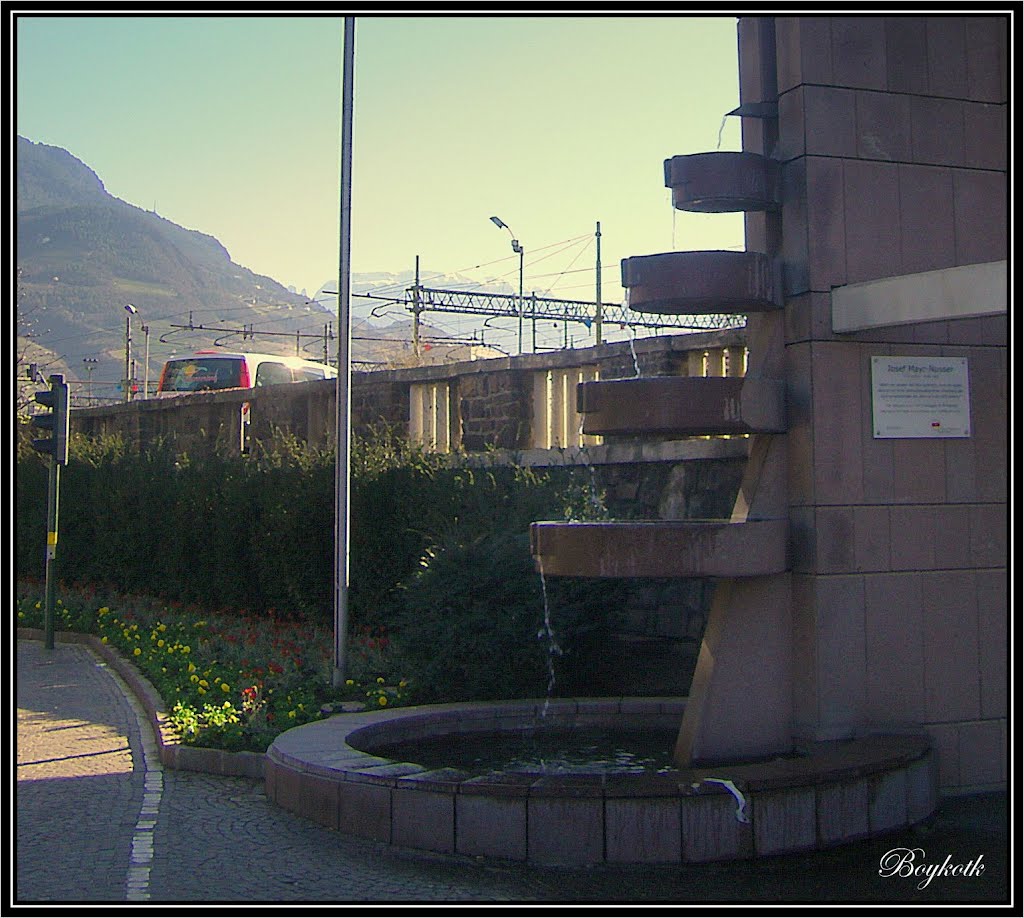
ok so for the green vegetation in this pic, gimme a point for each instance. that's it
(444, 601)
(228, 681)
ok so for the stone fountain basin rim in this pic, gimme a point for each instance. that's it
(695, 523)
(335, 749)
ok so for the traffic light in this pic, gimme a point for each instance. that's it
(54, 421)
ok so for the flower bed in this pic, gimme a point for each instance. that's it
(229, 681)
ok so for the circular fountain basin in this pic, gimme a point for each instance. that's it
(828, 794)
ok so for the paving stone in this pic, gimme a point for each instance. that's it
(217, 839)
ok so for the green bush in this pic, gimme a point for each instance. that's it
(477, 622)
(468, 627)
(439, 552)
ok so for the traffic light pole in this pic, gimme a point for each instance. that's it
(52, 511)
(58, 399)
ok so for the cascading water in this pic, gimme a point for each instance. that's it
(597, 507)
(553, 649)
(632, 350)
(721, 128)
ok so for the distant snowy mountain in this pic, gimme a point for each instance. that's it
(372, 291)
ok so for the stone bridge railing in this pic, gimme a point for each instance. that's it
(511, 403)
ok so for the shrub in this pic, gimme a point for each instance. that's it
(473, 623)
(438, 548)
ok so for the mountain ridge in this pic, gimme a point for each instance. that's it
(82, 254)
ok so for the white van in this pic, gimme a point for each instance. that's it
(214, 369)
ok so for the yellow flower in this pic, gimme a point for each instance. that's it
(350, 682)
(160, 643)
(103, 640)
(193, 678)
(137, 652)
(202, 691)
(204, 683)
(186, 649)
(225, 687)
(191, 667)
(103, 610)
(382, 700)
(161, 627)
(291, 714)
(380, 680)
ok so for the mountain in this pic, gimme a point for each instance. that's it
(82, 254)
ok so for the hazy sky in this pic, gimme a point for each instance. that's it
(230, 125)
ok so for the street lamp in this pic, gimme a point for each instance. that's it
(131, 310)
(518, 249)
(90, 365)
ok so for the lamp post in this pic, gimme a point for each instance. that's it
(90, 365)
(131, 310)
(343, 392)
(518, 249)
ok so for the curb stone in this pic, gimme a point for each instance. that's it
(173, 753)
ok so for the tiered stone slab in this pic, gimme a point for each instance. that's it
(723, 182)
(701, 283)
(661, 548)
(673, 406)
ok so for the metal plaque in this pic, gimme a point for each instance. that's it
(920, 397)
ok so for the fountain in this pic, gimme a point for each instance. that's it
(742, 783)
(739, 785)
(330, 772)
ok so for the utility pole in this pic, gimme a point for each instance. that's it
(516, 247)
(533, 318)
(90, 365)
(416, 314)
(145, 329)
(597, 299)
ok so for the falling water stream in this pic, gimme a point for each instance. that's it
(721, 128)
(553, 649)
(632, 350)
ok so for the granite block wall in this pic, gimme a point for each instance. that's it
(892, 134)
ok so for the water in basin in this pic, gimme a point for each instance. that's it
(548, 751)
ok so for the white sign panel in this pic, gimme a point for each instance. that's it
(920, 397)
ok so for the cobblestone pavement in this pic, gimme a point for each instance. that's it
(98, 819)
(78, 794)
